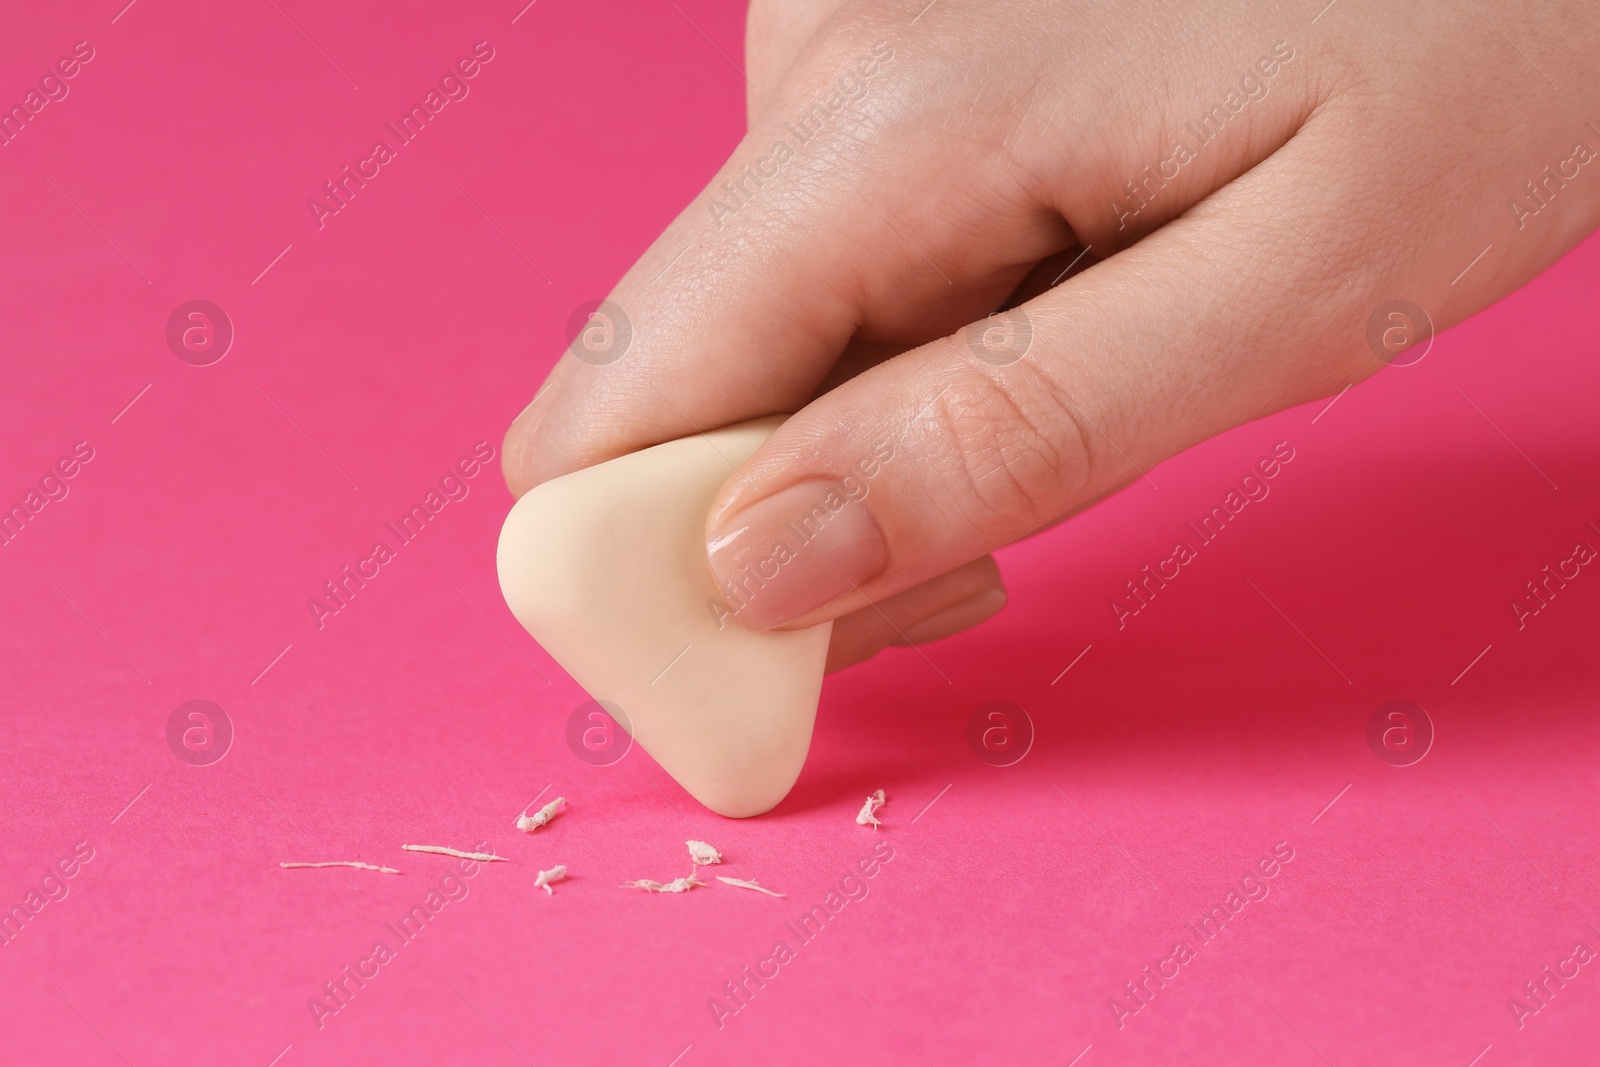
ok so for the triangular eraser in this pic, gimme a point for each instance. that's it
(606, 568)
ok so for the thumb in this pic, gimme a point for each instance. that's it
(976, 440)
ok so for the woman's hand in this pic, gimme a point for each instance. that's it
(1255, 204)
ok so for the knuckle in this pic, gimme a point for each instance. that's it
(838, 82)
(1018, 452)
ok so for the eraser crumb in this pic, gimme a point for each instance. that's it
(868, 815)
(677, 885)
(344, 863)
(529, 823)
(703, 854)
(440, 850)
(554, 874)
(742, 884)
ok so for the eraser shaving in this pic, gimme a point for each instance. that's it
(677, 885)
(440, 850)
(868, 815)
(529, 823)
(742, 884)
(703, 854)
(554, 874)
(342, 863)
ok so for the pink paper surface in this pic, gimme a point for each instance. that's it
(371, 354)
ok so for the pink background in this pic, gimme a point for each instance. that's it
(1169, 759)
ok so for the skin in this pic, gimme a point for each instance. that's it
(987, 155)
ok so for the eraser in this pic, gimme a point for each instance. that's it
(606, 568)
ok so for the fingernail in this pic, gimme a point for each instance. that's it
(794, 551)
(957, 617)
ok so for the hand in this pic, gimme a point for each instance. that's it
(1238, 188)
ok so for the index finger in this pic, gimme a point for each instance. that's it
(741, 307)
